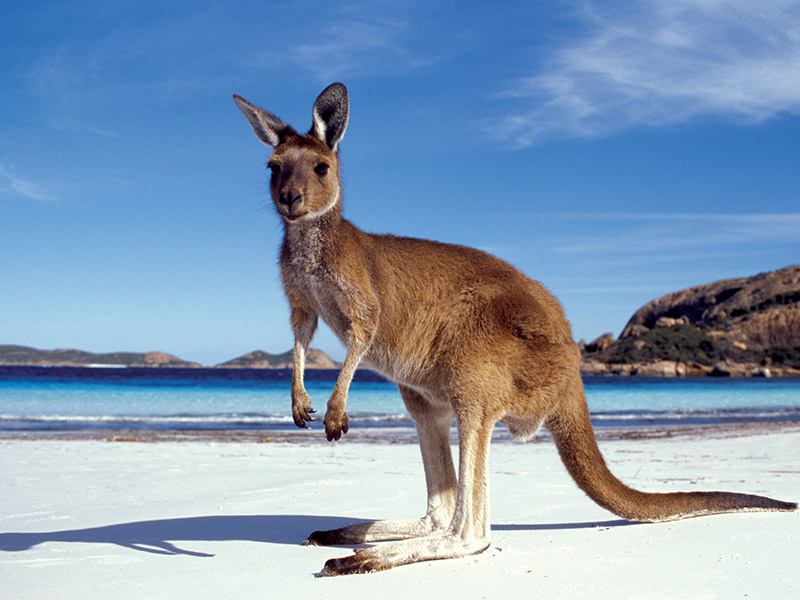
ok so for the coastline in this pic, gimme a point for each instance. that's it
(394, 435)
(664, 369)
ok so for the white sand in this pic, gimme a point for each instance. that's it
(94, 519)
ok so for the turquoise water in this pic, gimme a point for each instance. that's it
(616, 400)
(55, 398)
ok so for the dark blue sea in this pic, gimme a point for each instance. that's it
(37, 399)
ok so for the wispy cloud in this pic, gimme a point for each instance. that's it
(88, 76)
(352, 47)
(358, 38)
(640, 236)
(13, 186)
(655, 63)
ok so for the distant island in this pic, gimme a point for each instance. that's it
(746, 327)
(64, 357)
(258, 359)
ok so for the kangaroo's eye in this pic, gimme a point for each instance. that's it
(275, 168)
(321, 169)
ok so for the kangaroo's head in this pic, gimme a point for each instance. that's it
(305, 180)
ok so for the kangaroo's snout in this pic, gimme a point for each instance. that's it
(290, 198)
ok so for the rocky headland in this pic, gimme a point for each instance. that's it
(742, 327)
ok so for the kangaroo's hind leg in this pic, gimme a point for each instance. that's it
(433, 428)
(468, 531)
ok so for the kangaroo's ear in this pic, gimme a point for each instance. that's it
(267, 127)
(331, 111)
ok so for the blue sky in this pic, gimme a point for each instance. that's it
(615, 151)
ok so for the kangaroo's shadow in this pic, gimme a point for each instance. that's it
(158, 536)
(564, 526)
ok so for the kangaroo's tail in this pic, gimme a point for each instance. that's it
(574, 438)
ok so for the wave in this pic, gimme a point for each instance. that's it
(180, 422)
(789, 413)
(278, 421)
(695, 416)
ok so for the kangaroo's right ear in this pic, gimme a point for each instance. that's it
(331, 112)
(267, 127)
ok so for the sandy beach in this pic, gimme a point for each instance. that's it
(223, 517)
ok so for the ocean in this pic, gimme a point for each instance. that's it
(62, 399)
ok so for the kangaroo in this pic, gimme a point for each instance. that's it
(466, 337)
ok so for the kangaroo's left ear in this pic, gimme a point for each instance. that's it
(331, 112)
(267, 127)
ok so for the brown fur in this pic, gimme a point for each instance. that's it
(465, 335)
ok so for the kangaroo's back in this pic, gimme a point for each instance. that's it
(441, 304)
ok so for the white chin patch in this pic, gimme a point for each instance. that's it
(325, 210)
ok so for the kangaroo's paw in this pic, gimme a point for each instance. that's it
(335, 424)
(301, 409)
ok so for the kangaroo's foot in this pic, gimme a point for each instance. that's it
(376, 531)
(393, 554)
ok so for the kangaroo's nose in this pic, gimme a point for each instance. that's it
(290, 197)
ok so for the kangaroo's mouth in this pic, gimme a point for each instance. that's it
(294, 216)
(291, 218)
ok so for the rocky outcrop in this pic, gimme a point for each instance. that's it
(760, 312)
(737, 327)
(601, 343)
